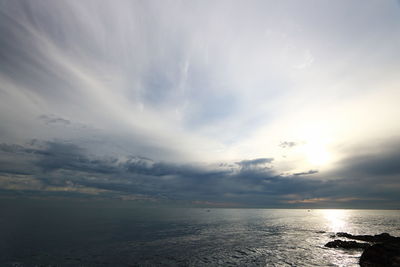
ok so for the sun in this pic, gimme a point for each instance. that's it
(316, 153)
(316, 145)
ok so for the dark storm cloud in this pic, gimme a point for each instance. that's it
(17, 159)
(149, 167)
(71, 157)
(67, 167)
(57, 165)
(13, 148)
(379, 163)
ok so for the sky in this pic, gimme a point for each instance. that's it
(205, 103)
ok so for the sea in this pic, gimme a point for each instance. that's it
(61, 233)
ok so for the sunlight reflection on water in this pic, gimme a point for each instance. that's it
(336, 220)
(187, 237)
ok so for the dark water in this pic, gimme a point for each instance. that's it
(40, 233)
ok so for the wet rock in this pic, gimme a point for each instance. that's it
(346, 244)
(385, 254)
(381, 238)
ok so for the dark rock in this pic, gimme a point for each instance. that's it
(385, 254)
(346, 244)
(381, 238)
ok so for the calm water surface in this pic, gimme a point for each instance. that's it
(33, 234)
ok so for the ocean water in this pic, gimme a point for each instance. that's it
(79, 234)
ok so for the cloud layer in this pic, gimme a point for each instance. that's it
(51, 169)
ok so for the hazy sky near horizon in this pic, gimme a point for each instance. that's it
(226, 103)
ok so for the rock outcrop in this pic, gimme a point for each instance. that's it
(384, 251)
(381, 238)
(346, 244)
(383, 254)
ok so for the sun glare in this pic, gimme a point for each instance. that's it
(316, 153)
(335, 219)
(315, 146)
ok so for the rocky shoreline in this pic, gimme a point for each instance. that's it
(379, 250)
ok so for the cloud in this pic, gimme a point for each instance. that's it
(384, 162)
(287, 144)
(45, 167)
(310, 200)
(306, 173)
(254, 162)
(57, 165)
(54, 119)
(216, 204)
(331, 200)
(188, 100)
